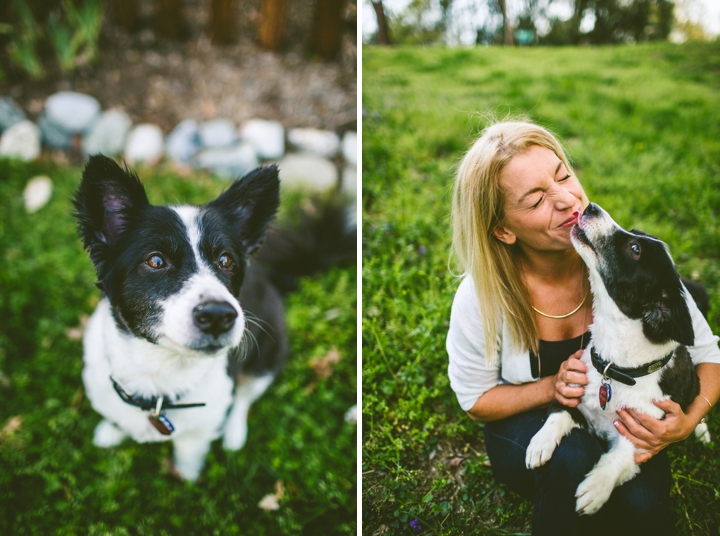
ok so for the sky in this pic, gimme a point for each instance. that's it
(704, 12)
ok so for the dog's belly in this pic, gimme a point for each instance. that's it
(638, 397)
(204, 380)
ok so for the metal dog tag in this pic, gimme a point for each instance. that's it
(605, 395)
(162, 424)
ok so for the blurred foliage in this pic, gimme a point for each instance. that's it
(53, 480)
(615, 21)
(24, 41)
(70, 29)
(641, 126)
(421, 22)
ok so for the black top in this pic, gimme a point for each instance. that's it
(553, 353)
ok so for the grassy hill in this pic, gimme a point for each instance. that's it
(641, 125)
(53, 480)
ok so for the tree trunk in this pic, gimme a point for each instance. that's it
(578, 12)
(222, 21)
(126, 14)
(169, 19)
(271, 29)
(327, 28)
(383, 35)
(507, 31)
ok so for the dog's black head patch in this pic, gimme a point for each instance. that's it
(638, 274)
(158, 264)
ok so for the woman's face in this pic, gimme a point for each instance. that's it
(540, 198)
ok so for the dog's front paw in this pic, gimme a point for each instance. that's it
(541, 448)
(107, 434)
(593, 492)
(235, 435)
(702, 433)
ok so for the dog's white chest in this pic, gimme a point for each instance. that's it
(138, 367)
(638, 397)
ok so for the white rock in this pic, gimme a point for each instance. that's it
(53, 135)
(183, 142)
(349, 148)
(108, 133)
(72, 111)
(22, 140)
(351, 414)
(217, 134)
(349, 181)
(307, 170)
(230, 163)
(10, 113)
(266, 137)
(320, 142)
(145, 144)
(37, 193)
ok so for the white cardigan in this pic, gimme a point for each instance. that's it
(471, 377)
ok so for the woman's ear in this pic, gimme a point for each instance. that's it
(504, 235)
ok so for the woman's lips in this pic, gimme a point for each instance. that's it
(569, 222)
(578, 218)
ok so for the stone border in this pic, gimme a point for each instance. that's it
(75, 122)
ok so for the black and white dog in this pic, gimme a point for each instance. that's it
(637, 352)
(189, 333)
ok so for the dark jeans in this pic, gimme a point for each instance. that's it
(640, 506)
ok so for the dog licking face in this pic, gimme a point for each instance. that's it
(634, 270)
(641, 327)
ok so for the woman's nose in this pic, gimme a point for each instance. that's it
(564, 199)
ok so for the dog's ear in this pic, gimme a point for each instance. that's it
(252, 203)
(104, 201)
(669, 319)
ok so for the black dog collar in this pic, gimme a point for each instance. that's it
(149, 403)
(626, 375)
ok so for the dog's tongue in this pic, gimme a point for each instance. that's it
(578, 215)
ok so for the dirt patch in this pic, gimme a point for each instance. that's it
(163, 81)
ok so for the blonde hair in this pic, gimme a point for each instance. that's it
(477, 209)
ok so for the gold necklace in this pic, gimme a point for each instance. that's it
(561, 316)
(558, 317)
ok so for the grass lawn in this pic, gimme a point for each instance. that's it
(53, 480)
(642, 128)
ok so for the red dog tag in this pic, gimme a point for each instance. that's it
(605, 395)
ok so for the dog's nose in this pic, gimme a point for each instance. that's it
(592, 210)
(214, 318)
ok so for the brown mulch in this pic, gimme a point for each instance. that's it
(163, 81)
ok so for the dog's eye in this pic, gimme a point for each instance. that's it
(635, 248)
(155, 261)
(225, 261)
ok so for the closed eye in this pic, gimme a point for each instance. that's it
(566, 177)
(536, 205)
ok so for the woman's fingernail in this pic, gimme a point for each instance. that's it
(616, 424)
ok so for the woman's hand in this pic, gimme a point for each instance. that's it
(651, 434)
(570, 381)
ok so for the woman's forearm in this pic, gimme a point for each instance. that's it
(505, 400)
(709, 374)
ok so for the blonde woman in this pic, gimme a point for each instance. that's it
(520, 320)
